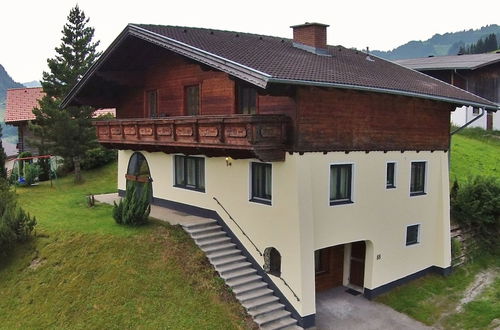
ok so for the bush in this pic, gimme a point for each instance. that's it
(97, 157)
(134, 209)
(15, 224)
(476, 205)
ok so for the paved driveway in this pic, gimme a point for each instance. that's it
(337, 309)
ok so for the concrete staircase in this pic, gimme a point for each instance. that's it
(249, 287)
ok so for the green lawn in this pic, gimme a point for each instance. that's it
(471, 156)
(433, 298)
(84, 271)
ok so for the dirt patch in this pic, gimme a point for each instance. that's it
(37, 262)
(481, 282)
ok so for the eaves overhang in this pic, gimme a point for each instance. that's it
(235, 69)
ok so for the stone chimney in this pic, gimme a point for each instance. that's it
(312, 35)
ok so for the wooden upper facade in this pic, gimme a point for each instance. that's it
(166, 101)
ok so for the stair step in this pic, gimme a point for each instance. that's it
(213, 241)
(218, 247)
(211, 234)
(215, 256)
(238, 273)
(230, 267)
(256, 303)
(249, 287)
(272, 317)
(293, 327)
(254, 294)
(203, 229)
(243, 280)
(284, 323)
(262, 310)
(227, 260)
(199, 225)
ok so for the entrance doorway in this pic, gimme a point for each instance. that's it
(340, 265)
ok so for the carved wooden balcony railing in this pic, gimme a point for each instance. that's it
(237, 136)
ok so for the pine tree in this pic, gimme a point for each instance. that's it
(69, 131)
(3, 157)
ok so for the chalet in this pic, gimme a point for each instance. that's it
(477, 73)
(19, 112)
(321, 166)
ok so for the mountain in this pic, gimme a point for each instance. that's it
(34, 83)
(6, 82)
(439, 44)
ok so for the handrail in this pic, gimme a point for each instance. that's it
(230, 217)
(296, 297)
(255, 246)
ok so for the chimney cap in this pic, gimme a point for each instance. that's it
(309, 24)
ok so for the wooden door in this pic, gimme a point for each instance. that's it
(329, 267)
(357, 268)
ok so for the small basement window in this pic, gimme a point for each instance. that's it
(272, 261)
(412, 235)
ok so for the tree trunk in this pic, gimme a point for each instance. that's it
(78, 172)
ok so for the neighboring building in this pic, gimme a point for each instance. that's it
(332, 162)
(19, 112)
(477, 73)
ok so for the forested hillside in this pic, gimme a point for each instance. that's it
(439, 44)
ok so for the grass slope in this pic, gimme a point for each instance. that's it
(472, 156)
(84, 271)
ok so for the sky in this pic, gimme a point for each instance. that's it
(31, 29)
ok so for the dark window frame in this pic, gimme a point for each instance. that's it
(321, 264)
(418, 175)
(272, 261)
(246, 100)
(150, 112)
(187, 104)
(334, 200)
(412, 234)
(258, 184)
(390, 175)
(185, 160)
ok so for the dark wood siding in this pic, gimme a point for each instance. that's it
(333, 258)
(335, 119)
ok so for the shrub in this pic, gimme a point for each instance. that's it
(31, 173)
(476, 205)
(97, 157)
(15, 224)
(134, 209)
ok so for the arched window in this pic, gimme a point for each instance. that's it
(138, 169)
(272, 261)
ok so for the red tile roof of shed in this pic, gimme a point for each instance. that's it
(20, 103)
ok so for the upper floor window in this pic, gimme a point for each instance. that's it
(247, 100)
(390, 179)
(417, 181)
(152, 103)
(340, 184)
(192, 100)
(261, 183)
(190, 172)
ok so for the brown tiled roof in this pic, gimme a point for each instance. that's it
(20, 103)
(264, 60)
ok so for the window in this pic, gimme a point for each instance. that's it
(417, 183)
(340, 184)
(152, 103)
(190, 172)
(247, 100)
(390, 176)
(261, 183)
(272, 261)
(412, 234)
(192, 96)
(475, 111)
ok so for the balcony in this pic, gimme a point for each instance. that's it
(237, 136)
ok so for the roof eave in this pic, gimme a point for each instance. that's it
(235, 69)
(491, 107)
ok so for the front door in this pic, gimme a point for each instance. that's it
(357, 268)
(329, 267)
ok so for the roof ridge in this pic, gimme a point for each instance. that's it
(18, 88)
